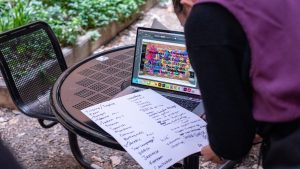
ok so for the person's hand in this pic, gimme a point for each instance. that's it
(209, 155)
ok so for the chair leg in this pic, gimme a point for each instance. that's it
(44, 125)
(191, 162)
(77, 153)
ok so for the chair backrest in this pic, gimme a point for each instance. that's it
(30, 61)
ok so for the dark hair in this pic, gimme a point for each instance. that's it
(178, 7)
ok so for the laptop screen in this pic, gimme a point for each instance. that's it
(161, 62)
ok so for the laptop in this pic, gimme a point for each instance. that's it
(161, 63)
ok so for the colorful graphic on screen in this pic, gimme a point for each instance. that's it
(163, 61)
(166, 62)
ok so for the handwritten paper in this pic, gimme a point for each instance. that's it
(155, 131)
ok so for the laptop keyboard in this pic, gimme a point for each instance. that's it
(187, 104)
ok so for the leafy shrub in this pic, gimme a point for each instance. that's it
(14, 14)
(67, 18)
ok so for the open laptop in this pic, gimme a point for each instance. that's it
(161, 63)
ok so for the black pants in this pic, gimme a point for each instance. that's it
(281, 146)
(7, 160)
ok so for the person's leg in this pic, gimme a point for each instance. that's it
(282, 150)
(7, 160)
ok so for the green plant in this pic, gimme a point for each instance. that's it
(94, 35)
(14, 13)
(4, 13)
(21, 13)
(68, 18)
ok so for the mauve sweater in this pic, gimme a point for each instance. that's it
(238, 81)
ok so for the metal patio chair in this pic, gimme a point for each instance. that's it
(31, 60)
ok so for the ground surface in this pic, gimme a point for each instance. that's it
(38, 148)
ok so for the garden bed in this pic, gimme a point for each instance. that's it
(85, 46)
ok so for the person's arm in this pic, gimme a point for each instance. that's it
(217, 47)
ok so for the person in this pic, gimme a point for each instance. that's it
(245, 55)
(7, 160)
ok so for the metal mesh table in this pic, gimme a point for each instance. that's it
(92, 81)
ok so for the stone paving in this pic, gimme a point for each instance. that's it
(38, 148)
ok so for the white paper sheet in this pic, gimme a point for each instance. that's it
(155, 131)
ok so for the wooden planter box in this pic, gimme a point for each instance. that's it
(5, 99)
(83, 48)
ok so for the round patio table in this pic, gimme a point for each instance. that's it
(91, 81)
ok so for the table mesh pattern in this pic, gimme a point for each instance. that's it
(82, 105)
(123, 74)
(34, 68)
(119, 84)
(111, 80)
(99, 67)
(98, 98)
(86, 72)
(101, 80)
(98, 76)
(84, 93)
(111, 91)
(121, 57)
(129, 69)
(85, 82)
(111, 70)
(110, 62)
(130, 60)
(122, 65)
(98, 86)
(130, 53)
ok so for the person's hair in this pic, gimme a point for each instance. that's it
(178, 7)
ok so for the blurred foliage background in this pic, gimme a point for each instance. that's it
(68, 18)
